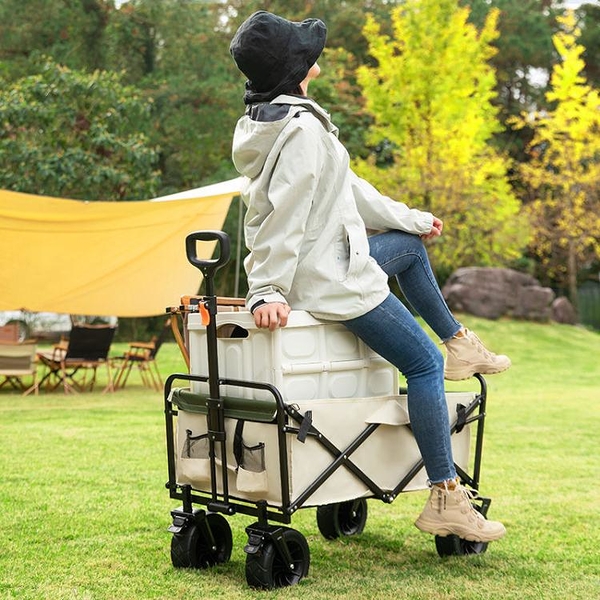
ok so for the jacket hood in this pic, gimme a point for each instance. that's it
(257, 131)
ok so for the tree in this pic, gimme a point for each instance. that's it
(178, 53)
(590, 40)
(76, 135)
(430, 94)
(524, 55)
(563, 174)
(72, 33)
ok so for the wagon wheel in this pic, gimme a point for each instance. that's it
(203, 544)
(452, 545)
(267, 569)
(342, 519)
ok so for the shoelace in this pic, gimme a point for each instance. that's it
(475, 341)
(468, 497)
(464, 494)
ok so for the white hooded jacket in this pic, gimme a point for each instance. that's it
(308, 213)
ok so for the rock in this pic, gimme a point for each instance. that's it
(491, 293)
(534, 303)
(563, 311)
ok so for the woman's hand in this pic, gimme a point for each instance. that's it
(436, 229)
(272, 315)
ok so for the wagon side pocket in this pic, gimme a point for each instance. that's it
(251, 471)
(195, 458)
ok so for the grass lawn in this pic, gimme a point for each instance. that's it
(84, 512)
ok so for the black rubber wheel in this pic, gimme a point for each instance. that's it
(342, 519)
(452, 545)
(192, 547)
(267, 568)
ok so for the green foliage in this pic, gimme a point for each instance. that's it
(590, 40)
(430, 94)
(75, 135)
(71, 32)
(178, 54)
(563, 174)
(338, 90)
(523, 45)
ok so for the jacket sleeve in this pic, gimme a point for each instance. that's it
(382, 213)
(278, 231)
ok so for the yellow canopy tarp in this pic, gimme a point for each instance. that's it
(103, 258)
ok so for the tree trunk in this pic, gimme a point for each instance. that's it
(572, 277)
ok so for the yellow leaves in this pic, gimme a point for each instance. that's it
(431, 95)
(489, 33)
(563, 174)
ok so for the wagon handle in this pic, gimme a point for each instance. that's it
(208, 266)
(208, 310)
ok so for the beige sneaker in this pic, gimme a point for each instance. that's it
(466, 356)
(451, 512)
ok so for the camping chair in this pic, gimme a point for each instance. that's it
(143, 356)
(9, 332)
(17, 360)
(86, 350)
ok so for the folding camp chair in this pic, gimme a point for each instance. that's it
(87, 349)
(143, 356)
(17, 361)
(9, 332)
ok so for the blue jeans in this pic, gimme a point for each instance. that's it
(391, 330)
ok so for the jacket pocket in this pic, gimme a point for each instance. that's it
(342, 255)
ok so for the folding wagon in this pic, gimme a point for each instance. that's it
(267, 423)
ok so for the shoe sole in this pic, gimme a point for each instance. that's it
(460, 375)
(456, 529)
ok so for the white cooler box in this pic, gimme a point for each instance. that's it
(318, 367)
(307, 359)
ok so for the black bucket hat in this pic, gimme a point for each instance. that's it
(276, 54)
